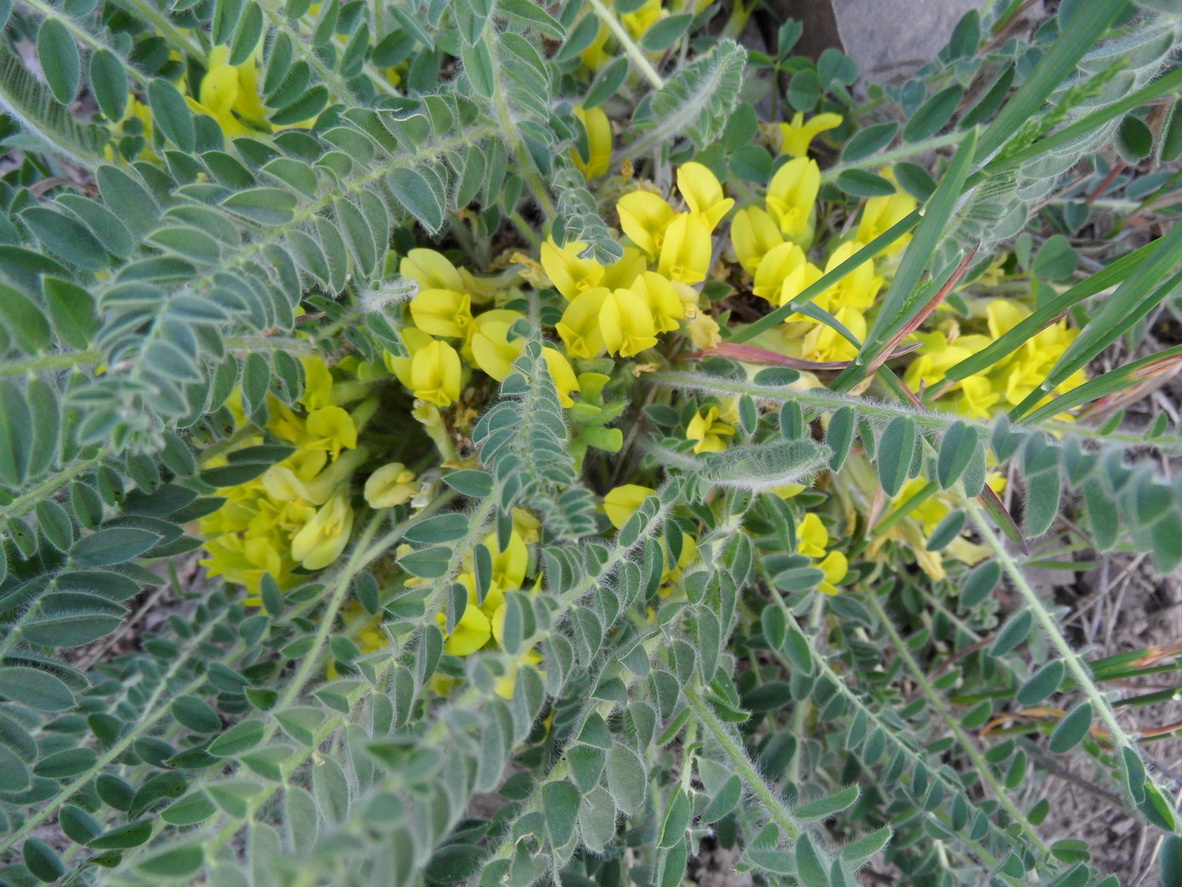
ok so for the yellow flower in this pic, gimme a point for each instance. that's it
(317, 382)
(230, 94)
(709, 431)
(791, 196)
(579, 327)
(811, 536)
(976, 397)
(430, 270)
(835, 565)
(492, 349)
(626, 323)
(331, 428)
(753, 234)
(857, 289)
(432, 372)
(662, 299)
(779, 264)
(561, 374)
(509, 565)
(473, 630)
(823, 343)
(596, 55)
(643, 18)
(390, 485)
(686, 252)
(798, 134)
(442, 312)
(704, 331)
(599, 142)
(325, 536)
(624, 271)
(621, 502)
(703, 194)
(644, 216)
(880, 213)
(570, 274)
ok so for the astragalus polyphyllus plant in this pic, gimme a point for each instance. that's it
(564, 472)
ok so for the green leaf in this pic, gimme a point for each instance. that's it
(677, 820)
(810, 871)
(824, 808)
(64, 236)
(439, 529)
(72, 309)
(1055, 259)
(560, 801)
(172, 115)
(896, 450)
(859, 851)
(606, 83)
(861, 183)
(724, 801)
(626, 779)
(239, 738)
(665, 32)
(1016, 630)
(174, 862)
(37, 689)
(41, 861)
(58, 55)
(1171, 862)
(72, 619)
(429, 563)
(528, 14)
(66, 763)
(804, 90)
(470, 482)
(1072, 729)
(901, 299)
(933, 114)
(114, 545)
(307, 106)
(956, 452)
(123, 838)
(108, 79)
(949, 529)
(24, 319)
(1134, 140)
(478, 66)
(267, 206)
(418, 196)
(869, 141)
(16, 433)
(196, 714)
(1042, 684)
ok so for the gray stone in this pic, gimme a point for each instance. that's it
(890, 38)
(887, 38)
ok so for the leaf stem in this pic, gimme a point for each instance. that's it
(962, 737)
(629, 46)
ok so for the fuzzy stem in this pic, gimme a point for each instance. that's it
(629, 46)
(938, 705)
(1076, 666)
(748, 772)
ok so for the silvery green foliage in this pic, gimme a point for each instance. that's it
(670, 707)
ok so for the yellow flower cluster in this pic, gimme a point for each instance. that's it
(446, 339)
(622, 308)
(771, 243)
(298, 513)
(1006, 383)
(481, 625)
